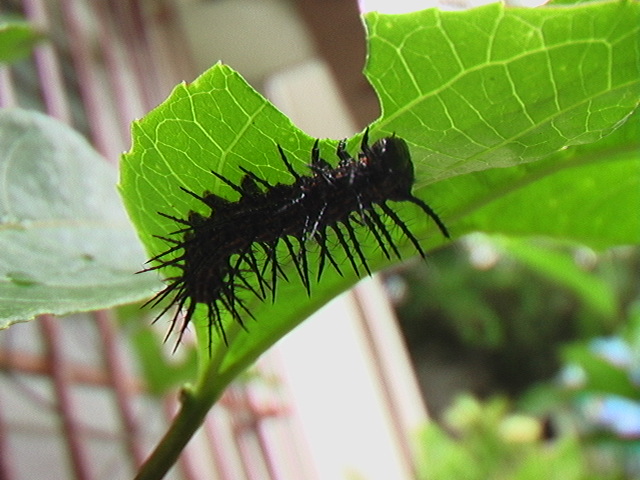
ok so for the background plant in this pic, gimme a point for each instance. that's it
(488, 442)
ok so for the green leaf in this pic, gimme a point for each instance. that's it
(161, 371)
(161, 374)
(500, 86)
(601, 375)
(587, 194)
(442, 457)
(65, 242)
(561, 268)
(17, 39)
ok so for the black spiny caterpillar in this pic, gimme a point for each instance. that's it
(217, 255)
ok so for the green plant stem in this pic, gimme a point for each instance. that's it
(195, 403)
(193, 409)
(194, 406)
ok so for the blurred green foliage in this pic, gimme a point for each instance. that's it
(514, 301)
(486, 442)
(17, 38)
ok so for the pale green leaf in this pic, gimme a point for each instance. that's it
(66, 244)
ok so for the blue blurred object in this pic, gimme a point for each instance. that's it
(610, 419)
(613, 413)
(613, 349)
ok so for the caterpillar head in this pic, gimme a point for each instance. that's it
(390, 157)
